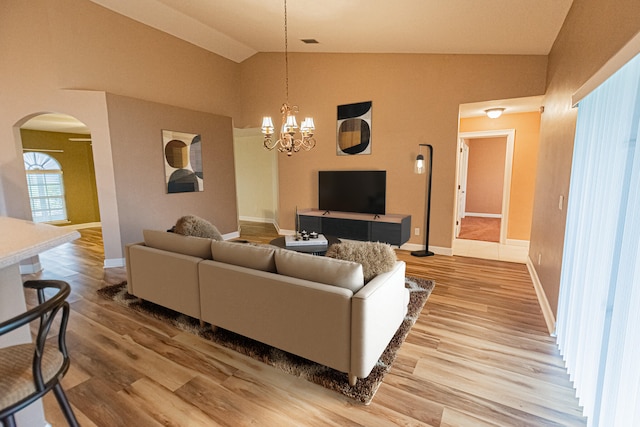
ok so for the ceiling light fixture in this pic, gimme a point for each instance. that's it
(287, 142)
(494, 113)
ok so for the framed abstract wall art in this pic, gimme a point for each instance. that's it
(182, 161)
(354, 129)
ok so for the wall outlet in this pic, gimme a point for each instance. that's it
(416, 231)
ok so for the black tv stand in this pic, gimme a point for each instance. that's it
(394, 229)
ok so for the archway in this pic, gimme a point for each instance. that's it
(68, 141)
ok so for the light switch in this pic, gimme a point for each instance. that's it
(561, 202)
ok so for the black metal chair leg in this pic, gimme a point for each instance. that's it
(65, 406)
(9, 421)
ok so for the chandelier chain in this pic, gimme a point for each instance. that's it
(286, 53)
(287, 141)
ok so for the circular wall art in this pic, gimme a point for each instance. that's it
(354, 129)
(182, 162)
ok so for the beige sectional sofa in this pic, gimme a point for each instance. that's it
(315, 307)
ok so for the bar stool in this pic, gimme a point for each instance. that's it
(29, 371)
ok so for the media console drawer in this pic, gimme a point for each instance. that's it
(392, 229)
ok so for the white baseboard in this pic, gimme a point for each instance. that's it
(30, 268)
(85, 225)
(435, 249)
(490, 250)
(257, 219)
(549, 317)
(232, 235)
(515, 242)
(114, 262)
(483, 215)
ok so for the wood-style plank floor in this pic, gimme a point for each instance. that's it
(479, 355)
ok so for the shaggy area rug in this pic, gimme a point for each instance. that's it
(362, 392)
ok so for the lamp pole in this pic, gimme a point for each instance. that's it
(420, 169)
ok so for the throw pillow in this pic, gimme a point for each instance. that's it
(191, 225)
(375, 257)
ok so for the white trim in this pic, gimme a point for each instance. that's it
(508, 169)
(31, 268)
(232, 235)
(114, 262)
(617, 61)
(435, 249)
(549, 317)
(257, 219)
(482, 215)
(85, 225)
(490, 250)
(285, 232)
(515, 242)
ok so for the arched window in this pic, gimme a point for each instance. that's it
(46, 187)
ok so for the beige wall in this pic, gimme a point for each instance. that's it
(415, 100)
(256, 177)
(76, 161)
(138, 157)
(63, 55)
(525, 161)
(485, 175)
(592, 33)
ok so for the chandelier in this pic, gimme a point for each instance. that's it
(287, 141)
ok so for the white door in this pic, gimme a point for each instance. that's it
(462, 183)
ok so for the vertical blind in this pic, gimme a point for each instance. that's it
(598, 327)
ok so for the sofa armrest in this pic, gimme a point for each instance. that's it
(165, 278)
(378, 310)
(127, 258)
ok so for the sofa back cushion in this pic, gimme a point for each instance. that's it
(187, 245)
(247, 255)
(330, 271)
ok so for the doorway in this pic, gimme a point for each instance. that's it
(485, 163)
(66, 142)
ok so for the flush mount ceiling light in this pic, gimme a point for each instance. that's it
(494, 113)
(287, 142)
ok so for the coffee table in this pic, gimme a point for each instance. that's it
(307, 249)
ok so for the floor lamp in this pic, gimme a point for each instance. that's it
(420, 169)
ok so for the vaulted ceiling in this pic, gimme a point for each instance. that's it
(237, 29)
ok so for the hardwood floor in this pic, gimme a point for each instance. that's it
(479, 355)
(480, 228)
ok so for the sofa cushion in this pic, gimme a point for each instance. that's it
(257, 257)
(330, 271)
(375, 257)
(187, 245)
(191, 225)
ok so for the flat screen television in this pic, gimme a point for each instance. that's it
(352, 191)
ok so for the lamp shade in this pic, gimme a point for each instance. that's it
(267, 125)
(419, 166)
(307, 125)
(291, 125)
